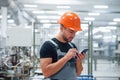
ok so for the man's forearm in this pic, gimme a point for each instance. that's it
(54, 67)
(79, 68)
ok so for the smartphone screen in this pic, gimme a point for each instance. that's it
(84, 51)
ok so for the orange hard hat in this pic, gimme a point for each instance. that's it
(70, 20)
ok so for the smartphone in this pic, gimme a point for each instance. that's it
(84, 51)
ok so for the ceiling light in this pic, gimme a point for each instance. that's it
(36, 30)
(38, 12)
(0, 16)
(89, 18)
(27, 5)
(112, 23)
(66, 7)
(52, 12)
(44, 21)
(116, 19)
(53, 17)
(7, 16)
(28, 27)
(53, 21)
(94, 14)
(47, 17)
(42, 17)
(61, 13)
(29, 9)
(101, 6)
(107, 37)
(111, 27)
(10, 21)
(58, 2)
(104, 29)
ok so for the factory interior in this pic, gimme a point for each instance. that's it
(26, 24)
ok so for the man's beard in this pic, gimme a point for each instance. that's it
(66, 39)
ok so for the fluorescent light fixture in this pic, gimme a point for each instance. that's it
(95, 44)
(107, 37)
(7, 16)
(29, 9)
(58, 2)
(111, 27)
(112, 23)
(51, 35)
(10, 21)
(89, 18)
(65, 7)
(28, 5)
(61, 13)
(47, 17)
(38, 12)
(93, 14)
(36, 30)
(53, 21)
(116, 19)
(101, 6)
(0, 16)
(114, 36)
(44, 21)
(53, 17)
(52, 12)
(48, 12)
(42, 17)
(28, 27)
(84, 25)
(104, 29)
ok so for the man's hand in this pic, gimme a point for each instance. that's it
(79, 66)
(80, 57)
(71, 53)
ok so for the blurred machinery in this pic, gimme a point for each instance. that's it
(117, 53)
(16, 64)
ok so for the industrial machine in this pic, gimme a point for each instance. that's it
(16, 64)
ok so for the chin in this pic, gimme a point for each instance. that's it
(69, 40)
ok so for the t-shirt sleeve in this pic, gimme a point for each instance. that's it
(46, 50)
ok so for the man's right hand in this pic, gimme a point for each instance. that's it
(71, 53)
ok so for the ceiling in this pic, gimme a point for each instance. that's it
(48, 11)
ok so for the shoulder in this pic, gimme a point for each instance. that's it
(47, 50)
(49, 44)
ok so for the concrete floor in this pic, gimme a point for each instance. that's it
(105, 70)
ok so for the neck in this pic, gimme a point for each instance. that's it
(60, 38)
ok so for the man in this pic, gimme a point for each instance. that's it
(59, 58)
